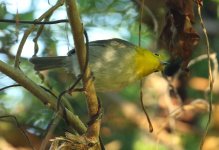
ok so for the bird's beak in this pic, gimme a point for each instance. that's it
(164, 63)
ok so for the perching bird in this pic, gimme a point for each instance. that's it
(115, 63)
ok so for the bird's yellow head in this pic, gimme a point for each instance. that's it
(147, 62)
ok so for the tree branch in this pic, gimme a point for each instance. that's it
(92, 101)
(17, 75)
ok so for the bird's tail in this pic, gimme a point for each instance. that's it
(45, 63)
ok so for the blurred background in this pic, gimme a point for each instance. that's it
(177, 106)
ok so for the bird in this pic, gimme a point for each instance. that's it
(115, 63)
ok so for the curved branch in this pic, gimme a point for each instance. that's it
(17, 75)
(28, 31)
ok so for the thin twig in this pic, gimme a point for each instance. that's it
(15, 85)
(67, 91)
(213, 57)
(40, 30)
(211, 78)
(200, 58)
(6, 87)
(141, 82)
(33, 22)
(17, 25)
(54, 92)
(140, 22)
(151, 14)
(28, 31)
(49, 91)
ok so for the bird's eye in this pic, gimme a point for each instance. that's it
(156, 54)
(156, 70)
